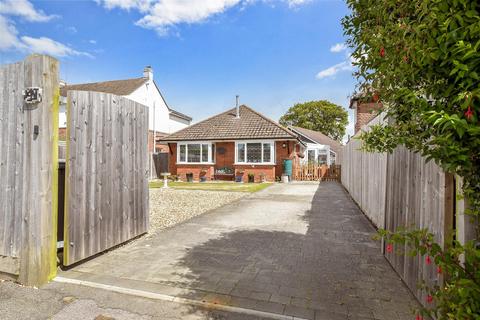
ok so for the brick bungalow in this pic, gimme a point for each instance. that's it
(237, 142)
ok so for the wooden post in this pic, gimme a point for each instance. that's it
(29, 170)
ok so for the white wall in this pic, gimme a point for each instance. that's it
(148, 95)
(314, 146)
(159, 114)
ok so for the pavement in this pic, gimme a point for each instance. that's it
(292, 251)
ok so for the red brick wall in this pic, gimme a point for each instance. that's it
(365, 113)
(289, 152)
(62, 134)
(267, 170)
(228, 159)
(183, 169)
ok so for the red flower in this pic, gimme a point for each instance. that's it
(382, 52)
(418, 317)
(429, 299)
(376, 97)
(469, 113)
(439, 270)
(428, 260)
(389, 247)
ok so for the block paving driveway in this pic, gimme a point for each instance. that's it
(303, 250)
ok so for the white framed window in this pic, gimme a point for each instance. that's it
(195, 152)
(255, 152)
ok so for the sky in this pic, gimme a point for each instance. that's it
(273, 53)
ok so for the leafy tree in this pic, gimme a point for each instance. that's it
(422, 59)
(321, 115)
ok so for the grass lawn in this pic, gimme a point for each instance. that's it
(213, 186)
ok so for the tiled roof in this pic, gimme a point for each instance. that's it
(226, 126)
(117, 87)
(319, 138)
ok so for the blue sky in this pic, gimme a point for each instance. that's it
(273, 53)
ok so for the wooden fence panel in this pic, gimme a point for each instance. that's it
(106, 173)
(401, 190)
(364, 177)
(28, 170)
(420, 195)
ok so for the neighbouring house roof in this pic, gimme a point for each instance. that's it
(119, 88)
(226, 126)
(318, 137)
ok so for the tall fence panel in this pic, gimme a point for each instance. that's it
(28, 170)
(419, 195)
(401, 190)
(106, 173)
(364, 177)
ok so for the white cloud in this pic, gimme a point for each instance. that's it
(48, 46)
(167, 13)
(339, 47)
(162, 15)
(333, 70)
(24, 9)
(9, 39)
(8, 36)
(92, 41)
(296, 3)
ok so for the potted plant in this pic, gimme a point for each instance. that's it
(251, 178)
(239, 175)
(203, 175)
(189, 176)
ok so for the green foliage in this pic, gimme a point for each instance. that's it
(321, 115)
(422, 59)
(458, 297)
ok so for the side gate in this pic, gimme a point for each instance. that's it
(106, 177)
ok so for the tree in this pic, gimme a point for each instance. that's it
(321, 115)
(422, 59)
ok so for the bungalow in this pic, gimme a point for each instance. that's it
(237, 142)
(163, 120)
(320, 148)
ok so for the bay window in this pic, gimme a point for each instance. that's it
(262, 152)
(195, 152)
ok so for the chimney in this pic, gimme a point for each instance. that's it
(148, 73)
(237, 107)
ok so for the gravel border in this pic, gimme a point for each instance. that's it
(169, 207)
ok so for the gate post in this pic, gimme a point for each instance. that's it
(28, 181)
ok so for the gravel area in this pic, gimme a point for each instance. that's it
(169, 207)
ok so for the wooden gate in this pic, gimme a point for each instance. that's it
(106, 192)
(317, 172)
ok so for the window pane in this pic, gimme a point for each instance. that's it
(241, 152)
(254, 152)
(267, 155)
(332, 158)
(322, 157)
(193, 153)
(182, 152)
(204, 152)
(311, 155)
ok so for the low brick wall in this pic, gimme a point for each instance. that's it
(183, 169)
(258, 171)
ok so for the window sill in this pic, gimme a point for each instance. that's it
(254, 164)
(198, 163)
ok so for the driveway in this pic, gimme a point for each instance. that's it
(302, 250)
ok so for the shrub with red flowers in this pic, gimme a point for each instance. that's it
(423, 59)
